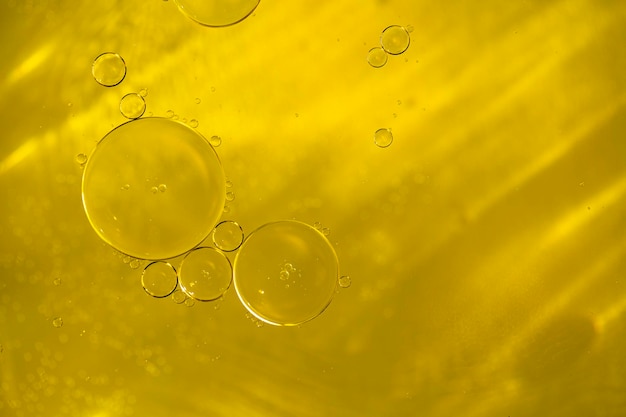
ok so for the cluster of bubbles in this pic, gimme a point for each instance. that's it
(154, 189)
(394, 40)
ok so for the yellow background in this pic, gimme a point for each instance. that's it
(485, 245)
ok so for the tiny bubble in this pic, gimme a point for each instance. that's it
(215, 141)
(198, 101)
(143, 92)
(230, 196)
(57, 322)
(345, 281)
(162, 188)
(81, 158)
(325, 231)
(154, 190)
(135, 263)
(169, 114)
(193, 123)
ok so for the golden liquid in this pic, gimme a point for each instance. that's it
(485, 245)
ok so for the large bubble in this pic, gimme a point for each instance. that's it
(286, 273)
(217, 13)
(153, 188)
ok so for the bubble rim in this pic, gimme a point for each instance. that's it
(247, 305)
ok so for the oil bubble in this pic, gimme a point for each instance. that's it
(143, 92)
(230, 196)
(81, 158)
(377, 57)
(134, 264)
(345, 281)
(108, 69)
(57, 322)
(215, 141)
(133, 221)
(261, 286)
(194, 123)
(227, 236)
(198, 100)
(159, 279)
(154, 190)
(383, 137)
(162, 188)
(395, 39)
(205, 274)
(179, 297)
(169, 114)
(190, 302)
(217, 13)
(132, 106)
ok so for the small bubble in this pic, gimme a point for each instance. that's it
(226, 209)
(143, 92)
(377, 57)
(284, 275)
(179, 297)
(395, 39)
(132, 106)
(345, 281)
(193, 123)
(399, 102)
(125, 187)
(410, 28)
(184, 120)
(154, 190)
(69, 104)
(190, 302)
(205, 274)
(288, 267)
(159, 279)
(134, 264)
(162, 188)
(215, 141)
(227, 236)
(57, 322)
(57, 281)
(175, 117)
(228, 184)
(169, 114)
(317, 225)
(213, 89)
(81, 158)
(126, 259)
(325, 231)
(230, 196)
(108, 69)
(197, 100)
(383, 137)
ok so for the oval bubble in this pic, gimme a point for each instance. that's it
(217, 13)
(286, 273)
(120, 188)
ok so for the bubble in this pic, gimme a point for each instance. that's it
(395, 39)
(228, 184)
(81, 158)
(227, 236)
(205, 274)
(108, 69)
(154, 190)
(230, 196)
(345, 281)
(134, 221)
(198, 100)
(383, 137)
(325, 231)
(273, 297)
(217, 13)
(57, 322)
(193, 123)
(377, 57)
(190, 302)
(169, 114)
(143, 92)
(215, 141)
(134, 264)
(179, 297)
(132, 106)
(162, 188)
(159, 279)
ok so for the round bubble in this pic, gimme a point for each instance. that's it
(159, 279)
(121, 196)
(108, 69)
(132, 106)
(205, 274)
(217, 13)
(286, 273)
(395, 39)
(377, 57)
(383, 137)
(227, 236)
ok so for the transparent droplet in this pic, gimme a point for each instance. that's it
(135, 223)
(179, 297)
(215, 141)
(169, 114)
(317, 225)
(190, 302)
(345, 281)
(159, 279)
(143, 92)
(284, 275)
(57, 281)
(108, 69)
(162, 188)
(325, 231)
(288, 267)
(255, 269)
(217, 13)
(228, 184)
(377, 57)
(205, 274)
(410, 28)
(193, 123)
(81, 158)
(57, 322)
(125, 187)
(154, 190)
(230, 196)
(198, 100)
(226, 209)
(134, 264)
(132, 106)
(227, 236)
(395, 39)
(383, 137)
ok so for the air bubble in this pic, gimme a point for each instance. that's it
(383, 137)
(230, 196)
(215, 141)
(108, 69)
(143, 92)
(134, 264)
(81, 158)
(194, 123)
(57, 322)
(132, 106)
(377, 57)
(395, 39)
(169, 114)
(198, 100)
(159, 279)
(162, 188)
(179, 297)
(227, 236)
(205, 274)
(217, 13)
(132, 221)
(259, 283)
(345, 281)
